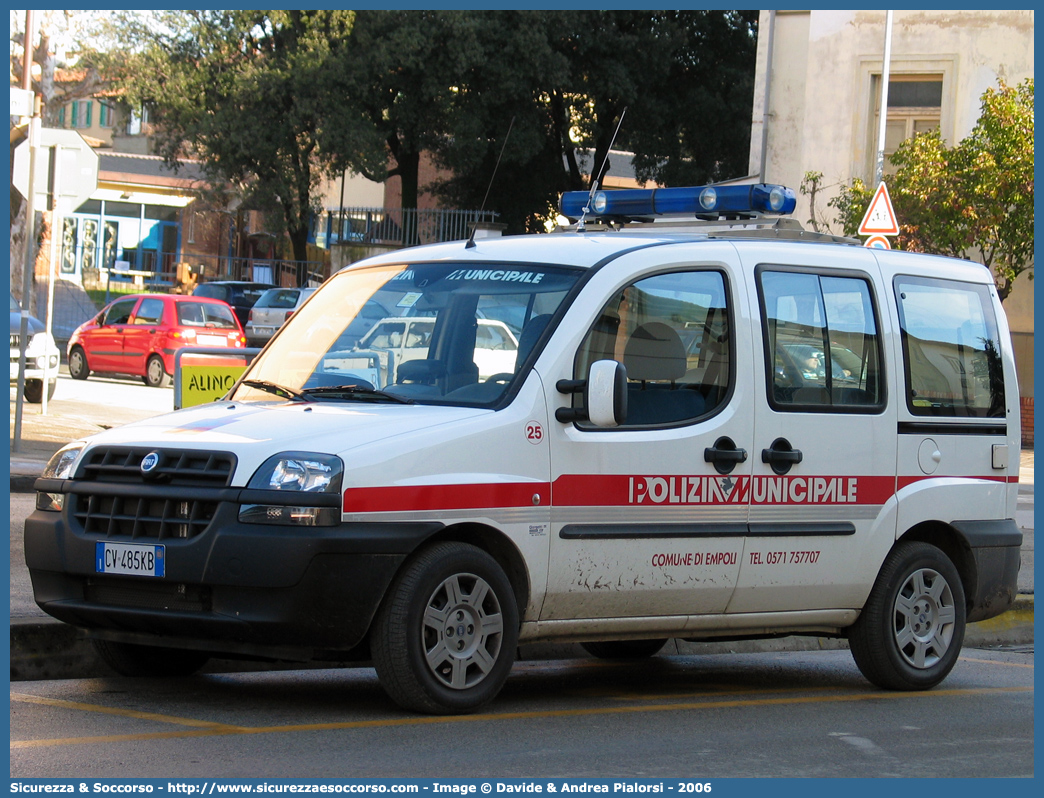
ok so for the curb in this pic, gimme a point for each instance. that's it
(42, 648)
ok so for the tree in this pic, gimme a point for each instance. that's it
(566, 78)
(62, 40)
(248, 94)
(972, 200)
(402, 70)
(506, 110)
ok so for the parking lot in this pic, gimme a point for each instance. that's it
(744, 715)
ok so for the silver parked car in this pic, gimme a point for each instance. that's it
(272, 308)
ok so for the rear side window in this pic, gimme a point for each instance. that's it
(205, 314)
(149, 312)
(951, 348)
(671, 332)
(822, 346)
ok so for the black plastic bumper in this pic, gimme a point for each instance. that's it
(239, 588)
(995, 548)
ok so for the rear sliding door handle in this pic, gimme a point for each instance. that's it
(781, 456)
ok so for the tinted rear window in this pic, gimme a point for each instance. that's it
(282, 298)
(212, 291)
(246, 296)
(205, 314)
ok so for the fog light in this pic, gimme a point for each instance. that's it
(289, 516)
(50, 501)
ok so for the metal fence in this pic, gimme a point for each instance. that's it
(207, 267)
(258, 270)
(397, 226)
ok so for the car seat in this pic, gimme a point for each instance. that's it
(654, 355)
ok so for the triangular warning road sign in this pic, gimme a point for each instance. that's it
(880, 216)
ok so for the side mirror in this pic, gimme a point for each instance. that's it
(605, 395)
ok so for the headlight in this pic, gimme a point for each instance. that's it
(301, 471)
(60, 466)
(295, 472)
(40, 344)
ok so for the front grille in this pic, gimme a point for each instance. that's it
(188, 467)
(148, 595)
(150, 511)
(142, 516)
(16, 341)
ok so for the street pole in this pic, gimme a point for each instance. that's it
(879, 170)
(57, 228)
(30, 231)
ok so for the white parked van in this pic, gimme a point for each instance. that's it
(709, 430)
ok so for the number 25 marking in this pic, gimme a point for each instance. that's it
(534, 432)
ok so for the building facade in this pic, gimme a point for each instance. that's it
(817, 104)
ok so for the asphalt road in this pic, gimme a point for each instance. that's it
(797, 714)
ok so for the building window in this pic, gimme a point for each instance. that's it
(80, 113)
(914, 106)
(138, 119)
(106, 115)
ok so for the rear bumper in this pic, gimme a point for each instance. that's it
(995, 553)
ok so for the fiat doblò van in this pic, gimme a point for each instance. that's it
(715, 428)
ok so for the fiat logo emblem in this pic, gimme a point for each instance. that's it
(149, 463)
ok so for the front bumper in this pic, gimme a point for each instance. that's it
(37, 367)
(242, 589)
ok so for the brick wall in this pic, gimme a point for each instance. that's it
(1026, 407)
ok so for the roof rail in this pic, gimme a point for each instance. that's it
(780, 228)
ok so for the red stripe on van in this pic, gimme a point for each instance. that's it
(490, 495)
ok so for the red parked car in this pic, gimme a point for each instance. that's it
(139, 334)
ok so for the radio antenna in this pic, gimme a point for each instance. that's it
(471, 238)
(596, 175)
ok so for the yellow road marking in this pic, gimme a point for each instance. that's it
(998, 662)
(219, 729)
(125, 713)
(714, 690)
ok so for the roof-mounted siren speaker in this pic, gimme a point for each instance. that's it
(743, 200)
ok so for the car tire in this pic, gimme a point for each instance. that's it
(156, 375)
(444, 639)
(78, 367)
(129, 659)
(624, 649)
(909, 634)
(33, 391)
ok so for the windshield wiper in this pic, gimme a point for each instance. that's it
(356, 392)
(278, 390)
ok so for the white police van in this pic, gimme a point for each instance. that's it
(717, 428)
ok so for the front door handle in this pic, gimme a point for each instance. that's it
(724, 455)
(781, 456)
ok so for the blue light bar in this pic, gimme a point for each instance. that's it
(696, 200)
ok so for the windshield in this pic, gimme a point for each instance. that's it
(431, 333)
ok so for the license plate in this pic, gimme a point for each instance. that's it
(212, 340)
(129, 558)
